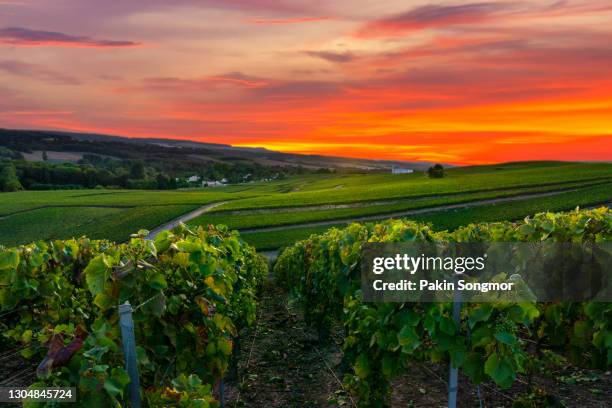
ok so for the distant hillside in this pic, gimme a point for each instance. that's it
(31, 143)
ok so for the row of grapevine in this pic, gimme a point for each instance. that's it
(192, 291)
(489, 343)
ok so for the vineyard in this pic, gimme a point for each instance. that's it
(492, 342)
(274, 214)
(192, 292)
(212, 327)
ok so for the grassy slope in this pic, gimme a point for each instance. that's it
(24, 200)
(385, 186)
(62, 223)
(114, 214)
(452, 219)
(277, 217)
(33, 215)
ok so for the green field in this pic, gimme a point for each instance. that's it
(363, 188)
(277, 213)
(451, 219)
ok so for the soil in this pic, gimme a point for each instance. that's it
(15, 371)
(283, 364)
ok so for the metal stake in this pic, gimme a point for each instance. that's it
(453, 376)
(129, 352)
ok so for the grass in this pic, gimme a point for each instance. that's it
(115, 214)
(362, 188)
(297, 215)
(451, 219)
(27, 200)
(104, 222)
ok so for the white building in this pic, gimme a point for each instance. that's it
(399, 170)
(212, 183)
(193, 179)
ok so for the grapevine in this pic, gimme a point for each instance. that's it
(192, 291)
(381, 338)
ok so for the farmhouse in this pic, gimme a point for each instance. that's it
(399, 170)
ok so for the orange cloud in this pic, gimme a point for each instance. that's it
(454, 82)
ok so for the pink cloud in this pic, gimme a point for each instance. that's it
(232, 78)
(431, 16)
(297, 20)
(332, 56)
(33, 71)
(20, 36)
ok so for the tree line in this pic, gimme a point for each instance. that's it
(95, 172)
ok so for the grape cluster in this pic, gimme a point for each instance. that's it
(504, 324)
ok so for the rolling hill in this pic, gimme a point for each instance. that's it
(34, 142)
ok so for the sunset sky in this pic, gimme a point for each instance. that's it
(447, 81)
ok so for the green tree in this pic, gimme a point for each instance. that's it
(8, 177)
(436, 171)
(137, 170)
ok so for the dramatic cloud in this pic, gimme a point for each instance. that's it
(25, 37)
(431, 16)
(469, 81)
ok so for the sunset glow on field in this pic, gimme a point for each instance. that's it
(446, 81)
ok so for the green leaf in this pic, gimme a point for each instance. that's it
(407, 337)
(481, 313)
(157, 305)
(582, 329)
(26, 336)
(408, 317)
(9, 259)
(188, 246)
(362, 366)
(448, 326)
(500, 370)
(389, 365)
(481, 337)
(8, 299)
(97, 273)
(473, 367)
(158, 281)
(506, 338)
(224, 346)
(104, 301)
(526, 229)
(117, 382)
(150, 245)
(458, 357)
(430, 325)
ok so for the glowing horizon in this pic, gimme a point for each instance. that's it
(456, 82)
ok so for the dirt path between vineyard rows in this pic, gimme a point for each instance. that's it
(209, 207)
(183, 218)
(282, 364)
(398, 200)
(469, 204)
